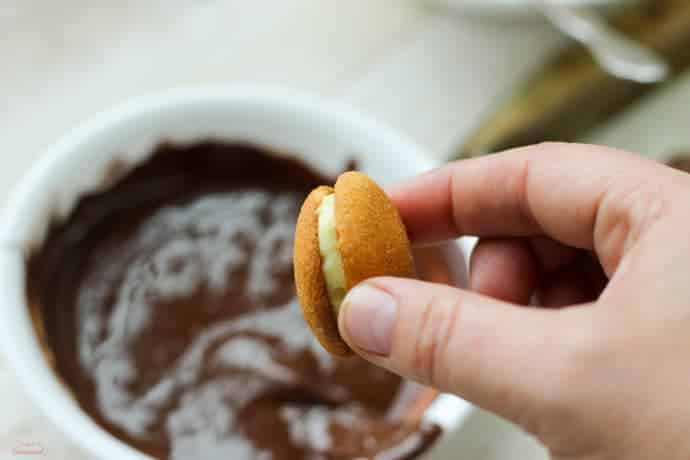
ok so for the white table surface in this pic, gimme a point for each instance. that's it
(429, 75)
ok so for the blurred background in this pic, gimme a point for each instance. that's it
(460, 77)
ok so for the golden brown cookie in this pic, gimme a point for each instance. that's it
(345, 235)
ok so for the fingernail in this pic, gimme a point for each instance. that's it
(370, 315)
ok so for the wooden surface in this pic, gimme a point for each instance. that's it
(429, 75)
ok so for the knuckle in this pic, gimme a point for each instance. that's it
(625, 213)
(548, 147)
(430, 354)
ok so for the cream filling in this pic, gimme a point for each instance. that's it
(331, 262)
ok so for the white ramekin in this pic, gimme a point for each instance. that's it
(322, 133)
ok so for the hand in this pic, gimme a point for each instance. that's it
(601, 239)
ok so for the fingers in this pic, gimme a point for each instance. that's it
(559, 190)
(504, 269)
(551, 255)
(441, 263)
(512, 270)
(496, 355)
(570, 286)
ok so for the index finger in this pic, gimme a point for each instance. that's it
(562, 191)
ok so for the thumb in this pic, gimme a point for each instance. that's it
(501, 357)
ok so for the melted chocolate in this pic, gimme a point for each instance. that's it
(169, 311)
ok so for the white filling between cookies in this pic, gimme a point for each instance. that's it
(331, 262)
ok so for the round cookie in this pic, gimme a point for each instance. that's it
(371, 236)
(371, 241)
(309, 279)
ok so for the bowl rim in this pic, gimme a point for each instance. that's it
(17, 336)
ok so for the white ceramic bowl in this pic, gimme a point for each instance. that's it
(320, 132)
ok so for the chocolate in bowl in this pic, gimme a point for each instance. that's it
(165, 302)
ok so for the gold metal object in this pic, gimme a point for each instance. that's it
(572, 95)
